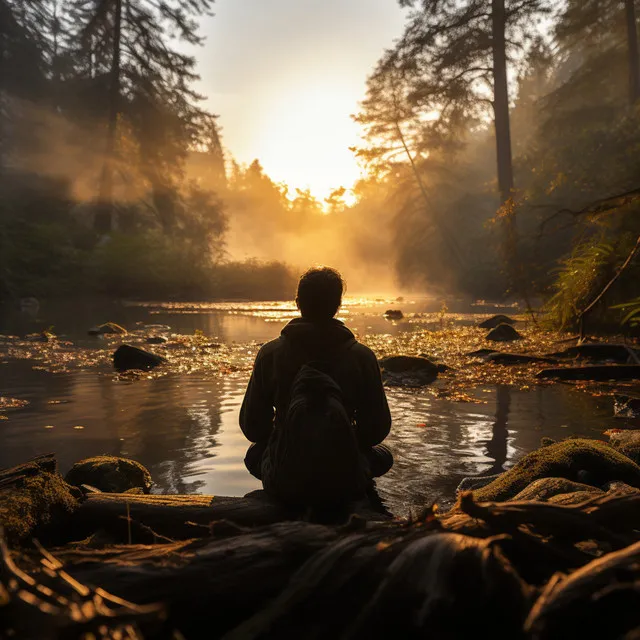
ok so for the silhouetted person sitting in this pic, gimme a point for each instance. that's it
(315, 406)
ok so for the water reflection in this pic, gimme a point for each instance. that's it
(184, 428)
(497, 446)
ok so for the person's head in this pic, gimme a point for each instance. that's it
(320, 293)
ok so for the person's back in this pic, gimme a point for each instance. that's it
(315, 403)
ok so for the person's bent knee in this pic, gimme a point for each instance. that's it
(380, 460)
(253, 459)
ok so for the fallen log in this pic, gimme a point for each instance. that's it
(598, 373)
(180, 517)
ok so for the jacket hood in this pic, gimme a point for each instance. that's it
(318, 336)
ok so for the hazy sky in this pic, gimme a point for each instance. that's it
(285, 75)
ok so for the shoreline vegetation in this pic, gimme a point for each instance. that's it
(550, 547)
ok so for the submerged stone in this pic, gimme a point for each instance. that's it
(495, 321)
(568, 459)
(110, 474)
(408, 370)
(106, 329)
(127, 357)
(499, 357)
(504, 333)
(393, 314)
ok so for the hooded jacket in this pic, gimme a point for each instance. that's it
(352, 365)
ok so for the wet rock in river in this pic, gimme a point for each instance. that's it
(393, 314)
(567, 459)
(480, 353)
(602, 352)
(110, 474)
(127, 357)
(595, 372)
(496, 321)
(108, 328)
(504, 333)
(157, 340)
(411, 371)
(498, 357)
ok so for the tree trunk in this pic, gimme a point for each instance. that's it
(634, 58)
(501, 102)
(103, 221)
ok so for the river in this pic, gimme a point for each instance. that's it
(184, 425)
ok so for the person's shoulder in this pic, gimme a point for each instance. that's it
(269, 348)
(362, 352)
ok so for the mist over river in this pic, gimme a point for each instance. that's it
(183, 424)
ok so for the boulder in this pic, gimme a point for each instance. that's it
(127, 357)
(504, 333)
(544, 489)
(410, 371)
(595, 372)
(568, 459)
(108, 328)
(110, 474)
(602, 352)
(393, 314)
(626, 442)
(496, 321)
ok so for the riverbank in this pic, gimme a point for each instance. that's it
(536, 567)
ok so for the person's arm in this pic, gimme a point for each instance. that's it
(257, 411)
(373, 418)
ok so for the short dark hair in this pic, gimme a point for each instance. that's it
(320, 293)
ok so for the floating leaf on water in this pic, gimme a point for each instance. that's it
(78, 427)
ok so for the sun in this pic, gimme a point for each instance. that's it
(305, 137)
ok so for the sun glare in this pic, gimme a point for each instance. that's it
(305, 139)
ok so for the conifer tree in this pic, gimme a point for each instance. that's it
(131, 45)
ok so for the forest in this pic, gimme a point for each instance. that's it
(499, 152)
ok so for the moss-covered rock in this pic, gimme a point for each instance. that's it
(567, 459)
(110, 474)
(35, 505)
(546, 488)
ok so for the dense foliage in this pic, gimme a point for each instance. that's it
(431, 122)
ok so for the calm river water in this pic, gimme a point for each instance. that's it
(184, 426)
